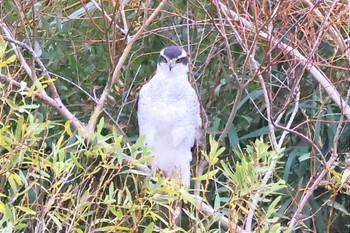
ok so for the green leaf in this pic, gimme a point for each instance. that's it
(304, 157)
(100, 125)
(233, 137)
(208, 175)
(257, 133)
(10, 59)
(75, 160)
(55, 220)
(338, 206)
(26, 210)
(149, 228)
(187, 197)
(19, 127)
(2, 207)
(3, 46)
(14, 181)
(9, 213)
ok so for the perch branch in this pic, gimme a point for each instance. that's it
(203, 207)
(44, 71)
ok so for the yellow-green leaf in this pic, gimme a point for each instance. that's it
(149, 228)
(3, 46)
(2, 207)
(26, 210)
(345, 176)
(67, 128)
(206, 176)
(11, 59)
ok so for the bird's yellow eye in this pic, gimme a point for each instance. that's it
(179, 60)
(164, 60)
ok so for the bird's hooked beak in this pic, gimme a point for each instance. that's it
(171, 64)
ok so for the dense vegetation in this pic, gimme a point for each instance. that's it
(273, 78)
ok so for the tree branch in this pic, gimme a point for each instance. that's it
(309, 191)
(319, 76)
(116, 72)
(55, 102)
(60, 107)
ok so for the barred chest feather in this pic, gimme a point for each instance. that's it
(169, 117)
(173, 109)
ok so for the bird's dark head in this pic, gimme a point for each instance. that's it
(173, 59)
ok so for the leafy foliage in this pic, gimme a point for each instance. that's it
(268, 74)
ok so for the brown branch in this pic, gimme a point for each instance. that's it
(44, 71)
(238, 98)
(318, 75)
(200, 205)
(332, 31)
(59, 106)
(315, 184)
(307, 194)
(116, 73)
(55, 102)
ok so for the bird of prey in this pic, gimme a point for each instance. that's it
(169, 115)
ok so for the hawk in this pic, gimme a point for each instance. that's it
(169, 115)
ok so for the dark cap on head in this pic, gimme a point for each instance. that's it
(174, 52)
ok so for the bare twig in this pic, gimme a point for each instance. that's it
(315, 184)
(44, 71)
(117, 70)
(291, 119)
(115, 122)
(309, 191)
(233, 112)
(55, 101)
(268, 174)
(319, 76)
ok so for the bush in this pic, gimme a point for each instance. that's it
(272, 78)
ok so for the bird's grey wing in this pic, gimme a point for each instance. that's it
(187, 129)
(201, 122)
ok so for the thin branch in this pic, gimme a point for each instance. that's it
(268, 174)
(55, 102)
(315, 184)
(19, 55)
(319, 76)
(333, 32)
(116, 73)
(95, 100)
(203, 207)
(291, 119)
(61, 108)
(233, 112)
(45, 72)
(309, 191)
(232, 115)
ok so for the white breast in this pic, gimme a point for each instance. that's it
(169, 115)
